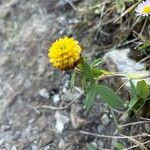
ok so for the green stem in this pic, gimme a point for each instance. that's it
(113, 115)
(130, 76)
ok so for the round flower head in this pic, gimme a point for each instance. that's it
(65, 53)
(143, 9)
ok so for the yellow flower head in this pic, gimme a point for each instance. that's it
(65, 53)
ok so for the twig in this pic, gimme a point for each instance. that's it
(79, 90)
(115, 137)
(147, 119)
(144, 59)
(117, 111)
(115, 120)
(145, 22)
(127, 11)
(126, 43)
(141, 145)
(122, 85)
(131, 138)
(101, 148)
(133, 123)
(60, 108)
(36, 110)
(136, 145)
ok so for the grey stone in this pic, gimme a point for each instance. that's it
(44, 93)
(45, 138)
(2, 142)
(118, 61)
(69, 95)
(63, 3)
(122, 62)
(61, 121)
(56, 99)
(76, 120)
(42, 121)
(100, 128)
(5, 127)
(31, 120)
(64, 90)
(147, 127)
(69, 147)
(14, 148)
(3, 60)
(21, 144)
(27, 84)
(94, 143)
(100, 143)
(47, 148)
(34, 147)
(105, 120)
(61, 144)
(16, 136)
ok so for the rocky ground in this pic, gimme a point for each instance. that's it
(29, 84)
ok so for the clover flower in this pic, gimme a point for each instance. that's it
(65, 53)
(143, 9)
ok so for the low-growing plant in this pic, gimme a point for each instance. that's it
(65, 54)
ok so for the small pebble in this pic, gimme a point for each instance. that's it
(5, 127)
(13, 148)
(61, 144)
(2, 142)
(100, 128)
(147, 127)
(61, 121)
(47, 148)
(100, 143)
(56, 99)
(105, 119)
(34, 147)
(44, 93)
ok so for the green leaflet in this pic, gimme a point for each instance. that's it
(109, 96)
(134, 97)
(90, 147)
(143, 90)
(133, 90)
(119, 146)
(90, 97)
(72, 82)
(96, 62)
(87, 72)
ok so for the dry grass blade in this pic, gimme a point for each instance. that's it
(141, 145)
(122, 86)
(135, 146)
(72, 5)
(145, 119)
(131, 138)
(114, 137)
(60, 108)
(139, 36)
(127, 11)
(133, 123)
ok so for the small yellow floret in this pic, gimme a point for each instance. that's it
(65, 53)
(146, 9)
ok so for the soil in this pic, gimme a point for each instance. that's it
(28, 82)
